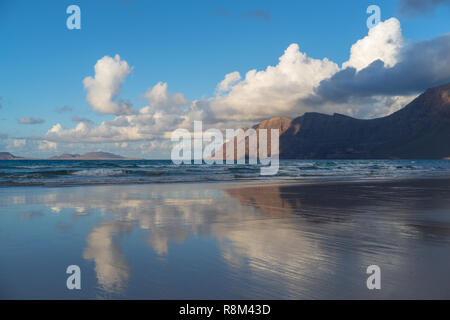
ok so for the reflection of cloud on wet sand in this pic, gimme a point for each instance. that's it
(248, 237)
(277, 241)
(255, 229)
(110, 265)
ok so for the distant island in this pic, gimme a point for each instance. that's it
(89, 156)
(8, 156)
(100, 155)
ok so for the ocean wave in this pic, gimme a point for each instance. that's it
(99, 172)
(35, 174)
(40, 172)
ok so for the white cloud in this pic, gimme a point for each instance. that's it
(160, 98)
(110, 73)
(18, 143)
(47, 146)
(383, 42)
(227, 83)
(152, 121)
(159, 146)
(273, 91)
(279, 90)
(106, 132)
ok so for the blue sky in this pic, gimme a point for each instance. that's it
(191, 45)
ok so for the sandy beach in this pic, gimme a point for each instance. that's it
(272, 240)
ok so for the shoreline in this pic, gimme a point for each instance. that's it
(248, 183)
(90, 173)
(293, 239)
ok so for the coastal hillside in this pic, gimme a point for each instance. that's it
(282, 124)
(419, 130)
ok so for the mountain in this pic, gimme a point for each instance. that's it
(282, 124)
(420, 130)
(8, 156)
(89, 156)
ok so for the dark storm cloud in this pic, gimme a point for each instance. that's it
(422, 65)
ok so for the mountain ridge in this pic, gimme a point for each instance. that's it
(419, 130)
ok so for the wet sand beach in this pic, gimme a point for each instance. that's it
(264, 240)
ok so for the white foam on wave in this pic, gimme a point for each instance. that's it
(99, 172)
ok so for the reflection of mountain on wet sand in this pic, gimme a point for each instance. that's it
(331, 202)
(268, 199)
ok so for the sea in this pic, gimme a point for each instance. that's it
(97, 172)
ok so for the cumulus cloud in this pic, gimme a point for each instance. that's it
(274, 90)
(161, 115)
(160, 98)
(31, 120)
(383, 42)
(47, 146)
(418, 7)
(230, 79)
(29, 146)
(120, 129)
(382, 74)
(104, 87)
